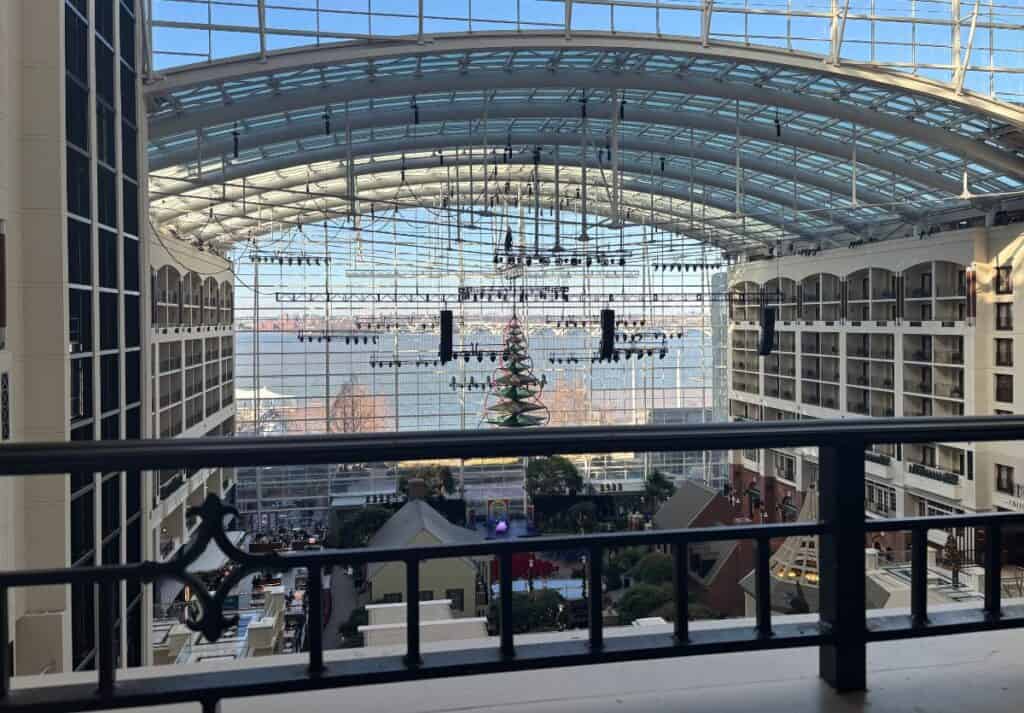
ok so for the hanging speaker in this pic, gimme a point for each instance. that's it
(607, 334)
(446, 336)
(767, 331)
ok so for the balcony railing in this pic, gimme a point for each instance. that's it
(842, 632)
(879, 458)
(943, 476)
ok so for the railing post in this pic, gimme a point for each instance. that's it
(106, 638)
(315, 619)
(681, 588)
(993, 572)
(5, 665)
(596, 599)
(919, 577)
(763, 589)
(412, 616)
(508, 649)
(842, 661)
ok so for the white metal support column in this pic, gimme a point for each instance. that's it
(261, 12)
(963, 63)
(707, 8)
(838, 30)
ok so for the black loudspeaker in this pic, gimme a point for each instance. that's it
(607, 334)
(446, 336)
(767, 331)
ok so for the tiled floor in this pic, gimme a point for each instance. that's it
(976, 673)
(970, 673)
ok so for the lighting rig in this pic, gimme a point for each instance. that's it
(391, 325)
(503, 293)
(573, 258)
(511, 294)
(686, 266)
(470, 384)
(633, 337)
(633, 353)
(563, 323)
(467, 355)
(281, 258)
(329, 335)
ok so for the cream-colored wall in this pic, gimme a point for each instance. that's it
(34, 511)
(436, 575)
(982, 248)
(896, 255)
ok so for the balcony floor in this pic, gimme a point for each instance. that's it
(981, 673)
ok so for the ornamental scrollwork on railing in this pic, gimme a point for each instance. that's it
(205, 611)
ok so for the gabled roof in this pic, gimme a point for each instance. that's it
(414, 517)
(682, 509)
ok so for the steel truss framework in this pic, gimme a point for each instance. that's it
(770, 145)
(966, 43)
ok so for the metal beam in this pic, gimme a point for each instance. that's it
(961, 64)
(201, 203)
(532, 42)
(438, 114)
(386, 194)
(726, 236)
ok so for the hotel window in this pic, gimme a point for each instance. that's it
(1004, 352)
(78, 183)
(1004, 280)
(131, 264)
(109, 332)
(80, 401)
(1004, 315)
(110, 385)
(1004, 478)
(1004, 388)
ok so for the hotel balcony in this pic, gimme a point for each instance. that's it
(1011, 498)
(879, 465)
(780, 388)
(823, 343)
(937, 481)
(826, 668)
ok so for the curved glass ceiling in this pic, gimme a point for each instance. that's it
(817, 152)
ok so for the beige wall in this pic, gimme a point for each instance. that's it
(437, 576)
(33, 511)
(982, 248)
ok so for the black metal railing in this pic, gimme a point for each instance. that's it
(842, 631)
(938, 474)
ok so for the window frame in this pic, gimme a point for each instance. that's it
(1004, 280)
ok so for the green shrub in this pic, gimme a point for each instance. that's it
(654, 568)
(642, 600)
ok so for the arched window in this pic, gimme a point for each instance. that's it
(745, 301)
(192, 301)
(227, 303)
(168, 297)
(211, 301)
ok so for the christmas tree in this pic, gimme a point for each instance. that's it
(515, 386)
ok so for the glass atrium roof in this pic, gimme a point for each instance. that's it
(761, 145)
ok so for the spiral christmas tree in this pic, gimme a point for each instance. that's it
(516, 388)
